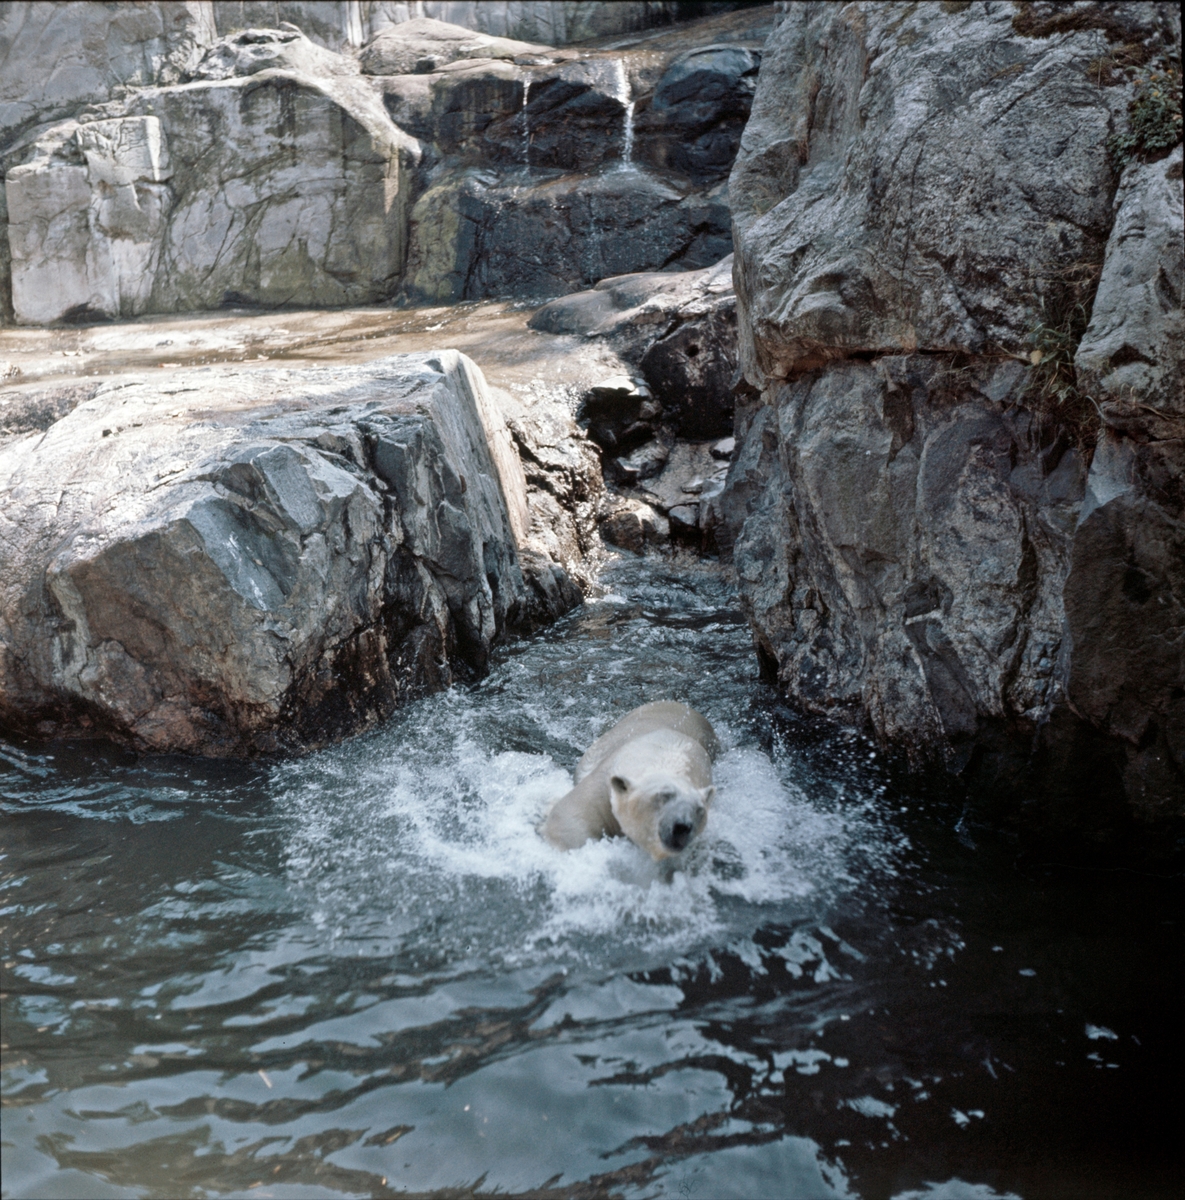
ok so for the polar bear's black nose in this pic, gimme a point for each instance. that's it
(680, 835)
(677, 828)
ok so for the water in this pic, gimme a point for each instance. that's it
(363, 974)
(625, 95)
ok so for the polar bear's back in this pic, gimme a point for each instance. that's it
(650, 718)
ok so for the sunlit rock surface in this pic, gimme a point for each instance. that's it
(239, 562)
(433, 164)
(258, 183)
(925, 542)
(678, 329)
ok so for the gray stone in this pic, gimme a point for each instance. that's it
(1130, 359)
(56, 58)
(923, 545)
(473, 235)
(645, 462)
(692, 122)
(423, 45)
(346, 24)
(276, 187)
(895, 188)
(271, 566)
(680, 329)
(684, 519)
(633, 525)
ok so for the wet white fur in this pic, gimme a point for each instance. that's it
(658, 754)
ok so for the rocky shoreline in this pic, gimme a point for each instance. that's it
(931, 413)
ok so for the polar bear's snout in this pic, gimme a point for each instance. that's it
(681, 821)
(649, 777)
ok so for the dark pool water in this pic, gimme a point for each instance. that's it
(363, 974)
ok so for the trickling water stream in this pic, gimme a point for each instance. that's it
(362, 973)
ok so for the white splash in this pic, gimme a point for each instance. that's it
(622, 93)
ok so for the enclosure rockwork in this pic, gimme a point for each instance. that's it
(956, 507)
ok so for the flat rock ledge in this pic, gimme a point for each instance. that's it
(234, 562)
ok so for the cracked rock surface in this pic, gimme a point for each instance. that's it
(925, 544)
(242, 562)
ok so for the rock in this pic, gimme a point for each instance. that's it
(474, 236)
(724, 449)
(693, 121)
(620, 413)
(423, 45)
(60, 57)
(684, 520)
(250, 51)
(1130, 357)
(873, 210)
(924, 544)
(679, 328)
(344, 24)
(268, 562)
(1125, 612)
(668, 489)
(275, 188)
(633, 525)
(564, 484)
(643, 463)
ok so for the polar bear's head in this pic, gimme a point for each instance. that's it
(661, 813)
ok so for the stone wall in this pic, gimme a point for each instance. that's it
(243, 561)
(942, 526)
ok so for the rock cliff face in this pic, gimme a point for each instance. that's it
(932, 529)
(242, 562)
(174, 170)
(271, 179)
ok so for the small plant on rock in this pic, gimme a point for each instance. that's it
(1052, 387)
(1154, 118)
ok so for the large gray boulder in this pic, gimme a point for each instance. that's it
(935, 535)
(678, 329)
(255, 184)
(57, 57)
(238, 561)
(473, 235)
(423, 45)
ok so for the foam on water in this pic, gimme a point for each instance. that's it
(434, 819)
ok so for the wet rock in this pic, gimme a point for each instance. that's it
(923, 544)
(473, 235)
(1124, 602)
(643, 463)
(633, 525)
(423, 45)
(274, 187)
(680, 330)
(692, 122)
(241, 562)
(1130, 359)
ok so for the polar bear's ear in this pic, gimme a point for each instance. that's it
(619, 785)
(709, 794)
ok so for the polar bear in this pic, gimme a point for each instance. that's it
(649, 777)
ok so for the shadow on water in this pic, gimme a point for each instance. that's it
(363, 974)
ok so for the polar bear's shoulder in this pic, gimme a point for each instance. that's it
(663, 715)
